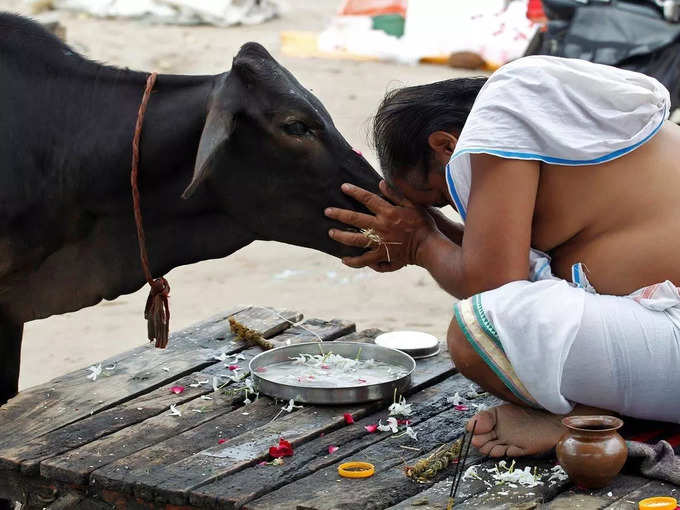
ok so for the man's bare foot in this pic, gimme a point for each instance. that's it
(513, 431)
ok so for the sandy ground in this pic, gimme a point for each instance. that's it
(265, 273)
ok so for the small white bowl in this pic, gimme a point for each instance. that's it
(415, 343)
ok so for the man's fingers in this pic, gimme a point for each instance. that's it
(350, 238)
(383, 267)
(394, 195)
(356, 219)
(370, 200)
(367, 259)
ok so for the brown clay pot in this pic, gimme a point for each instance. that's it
(591, 451)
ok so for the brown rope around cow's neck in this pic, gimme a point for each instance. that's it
(157, 311)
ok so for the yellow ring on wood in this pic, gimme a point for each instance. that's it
(660, 503)
(356, 470)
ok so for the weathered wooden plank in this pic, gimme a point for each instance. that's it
(76, 465)
(128, 474)
(558, 495)
(324, 489)
(585, 499)
(630, 500)
(363, 336)
(507, 496)
(72, 397)
(244, 486)
(436, 497)
(313, 329)
(173, 482)
(28, 456)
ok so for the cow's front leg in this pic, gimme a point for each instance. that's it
(11, 333)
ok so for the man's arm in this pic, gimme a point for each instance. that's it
(451, 229)
(497, 236)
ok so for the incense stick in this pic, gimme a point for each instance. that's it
(460, 467)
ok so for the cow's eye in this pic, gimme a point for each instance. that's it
(296, 128)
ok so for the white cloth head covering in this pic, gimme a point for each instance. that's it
(557, 110)
(560, 111)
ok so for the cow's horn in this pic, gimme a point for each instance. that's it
(217, 130)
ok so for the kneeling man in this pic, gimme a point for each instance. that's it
(567, 176)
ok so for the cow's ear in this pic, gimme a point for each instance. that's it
(219, 125)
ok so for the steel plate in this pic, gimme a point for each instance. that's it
(416, 344)
(339, 395)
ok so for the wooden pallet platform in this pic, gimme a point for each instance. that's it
(112, 442)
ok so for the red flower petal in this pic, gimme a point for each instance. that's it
(283, 450)
(349, 419)
(325, 367)
(233, 367)
(221, 441)
(363, 381)
(403, 422)
(333, 449)
(263, 463)
(177, 389)
(461, 408)
(371, 428)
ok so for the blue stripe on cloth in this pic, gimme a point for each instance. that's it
(454, 193)
(560, 161)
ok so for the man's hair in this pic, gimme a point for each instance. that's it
(408, 116)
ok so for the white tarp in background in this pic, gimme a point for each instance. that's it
(496, 30)
(181, 12)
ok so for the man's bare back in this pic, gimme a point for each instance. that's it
(621, 219)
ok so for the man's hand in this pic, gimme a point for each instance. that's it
(401, 228)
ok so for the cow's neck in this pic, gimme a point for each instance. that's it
(178, 231)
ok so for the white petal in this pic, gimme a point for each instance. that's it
(456, 400)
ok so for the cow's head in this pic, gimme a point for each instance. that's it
(271, 155)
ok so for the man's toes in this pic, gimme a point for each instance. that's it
(485, 422)
(500, 450)
(479, 440)
(486, 448)
(515, 451)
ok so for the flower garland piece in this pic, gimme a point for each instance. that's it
(426, 469)
(249, 335)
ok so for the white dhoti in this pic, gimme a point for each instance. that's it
(554, 342)
(555, 345)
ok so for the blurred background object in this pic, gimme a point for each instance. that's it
(181, 12)
(640, 35)
(429, 31)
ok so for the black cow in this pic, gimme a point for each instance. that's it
(254, 154)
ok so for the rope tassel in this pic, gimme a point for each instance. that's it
(157, 310)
